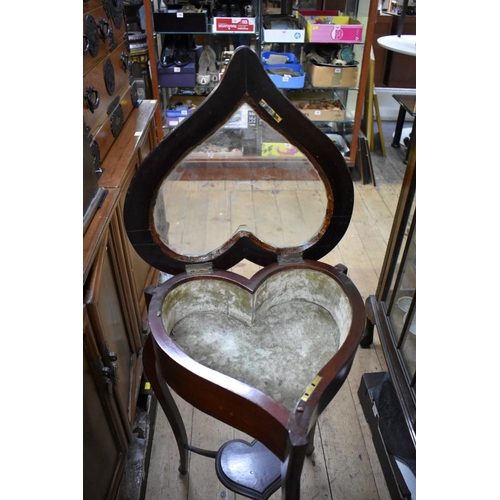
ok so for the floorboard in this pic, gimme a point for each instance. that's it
(344, 465)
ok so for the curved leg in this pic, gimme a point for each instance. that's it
(310, 441)
(167, 403)
(291, 471)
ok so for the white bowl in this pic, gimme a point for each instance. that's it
(404, 303)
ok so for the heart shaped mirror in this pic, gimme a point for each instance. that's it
(262, 181)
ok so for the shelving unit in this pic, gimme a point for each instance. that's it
(344, 130)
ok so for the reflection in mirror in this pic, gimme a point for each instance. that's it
(245, 176)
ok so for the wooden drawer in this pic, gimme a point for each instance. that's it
(105, 133)
(117, 66)
(97, 48)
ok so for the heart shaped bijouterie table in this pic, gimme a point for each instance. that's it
(265, 355)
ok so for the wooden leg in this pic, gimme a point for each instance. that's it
(399, 128)
(310, 441)
(412, 140)
(291, 470)
(167, 403)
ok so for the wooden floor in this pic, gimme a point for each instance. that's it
(344, 465)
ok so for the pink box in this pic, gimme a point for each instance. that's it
(234, 25)
(326, 27)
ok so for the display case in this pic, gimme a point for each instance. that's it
(389, 399)
(187, 29)
(334, 53)
(343, 90)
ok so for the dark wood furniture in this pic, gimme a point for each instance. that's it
(114, 327)
(383, 27)
(401, 69)
(393, 69)
(389, 399)
(407, 104)
(118, 133)
(249, 352)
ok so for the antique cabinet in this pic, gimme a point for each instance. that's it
(104, 436)
(114, 280)
(389, 398)
(118, 133)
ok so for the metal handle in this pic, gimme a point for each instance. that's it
(104, 32)
(92, 98)
(86, 44)
(125, 59)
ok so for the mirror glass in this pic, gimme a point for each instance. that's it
(245, 176)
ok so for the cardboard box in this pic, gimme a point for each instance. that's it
(273, 33)
(327, 27)
(177, 108)
(177, 76)
(175, 100)
(331, 76)
(291, 62)
(283, 149)
(233, 25)
(173, 20)
(317, 106)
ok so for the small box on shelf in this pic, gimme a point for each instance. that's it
(177, 19)
(233, 25)
(177, 76)
(319, 106)
(327, 27)
(180, 107)
(331, 76)
(279, 28)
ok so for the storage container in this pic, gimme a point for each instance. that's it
(173, 20)
(292, 63)
(233, 25)
(277, 28)
(331, 76)
(319, 106)
(177, 76)
(326, 27)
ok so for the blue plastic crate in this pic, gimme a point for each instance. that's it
(291, 58)
(285, 81)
